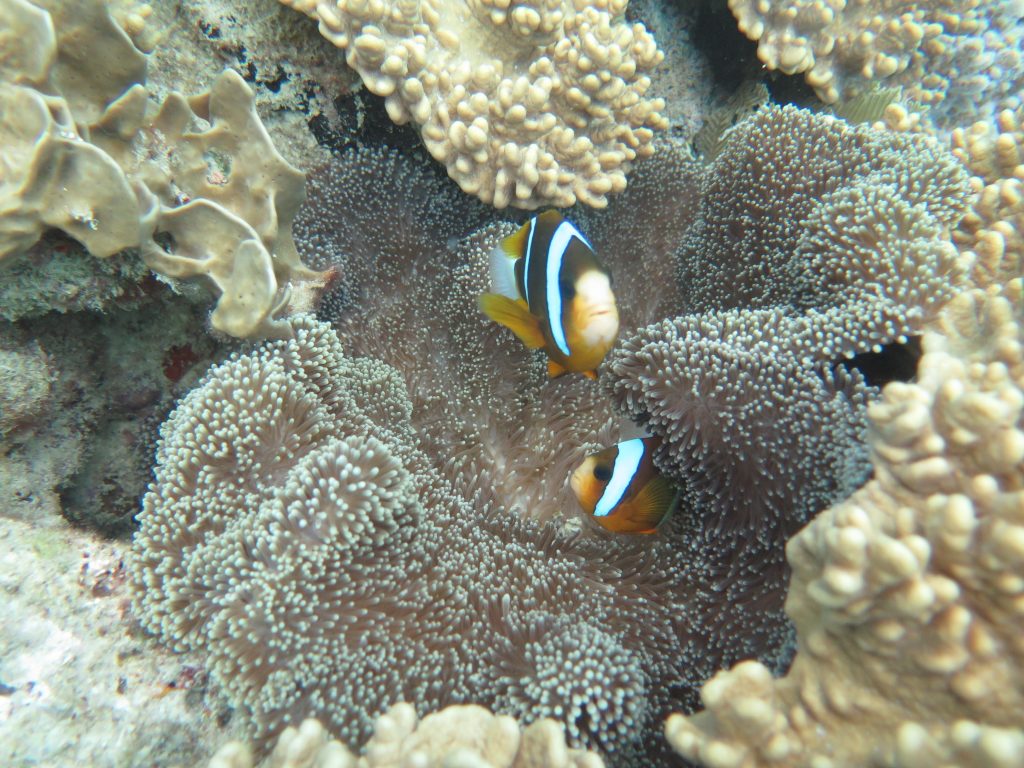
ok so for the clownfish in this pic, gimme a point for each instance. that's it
(551, 291)
(622, 489)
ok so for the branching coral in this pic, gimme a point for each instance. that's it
(467, 736)
(992, 233)
(955, 56)
(812, 241)
(527, 104)
(81, 154)
(906, 597)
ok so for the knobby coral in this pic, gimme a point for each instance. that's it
(812, 241)
(82, 153)
(954, 56)
(992, 233)
(526, 103)
(906, 597)
(466, 735)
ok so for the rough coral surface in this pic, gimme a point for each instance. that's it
(992, 233)
(906, 597)
(526, 104)
(953, 56)
(460, 735)
(198, 185)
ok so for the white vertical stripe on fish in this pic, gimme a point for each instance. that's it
(559, 244)
(631, 452)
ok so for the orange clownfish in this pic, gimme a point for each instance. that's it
(622, 489)
(553, 293)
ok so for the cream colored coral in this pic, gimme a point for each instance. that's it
(79, 152)
(526, 103)
(993, 231)
(963, 743)
(239, 199)
(965, 52)
(461, 736)
(50, 176)
(909, 597)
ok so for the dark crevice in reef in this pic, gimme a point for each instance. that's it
(363, 120)
(733, 58)
(895, 362)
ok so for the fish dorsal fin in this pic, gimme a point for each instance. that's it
(514, 246)
(514, 315)
(653, 504)
(555, 369)
(551, 217)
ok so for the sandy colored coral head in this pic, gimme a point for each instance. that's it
(526, 104)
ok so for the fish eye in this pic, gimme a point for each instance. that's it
(567, 289)
(602, 474)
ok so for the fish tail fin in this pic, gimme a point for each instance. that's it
(653, 504)
(514, 315)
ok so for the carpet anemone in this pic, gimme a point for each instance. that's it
(377, 510)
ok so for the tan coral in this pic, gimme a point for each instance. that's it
(79, 152)
(993, 231)
(460, 736)
(908, 596)
(944, 50)
(526, 103)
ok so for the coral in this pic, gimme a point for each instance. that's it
(906, 596)
(528, 104)
(952, 56)
(80, 154)
(462, 735)
(297, 529)
(769, 199)
(812, 241)
(992, 233)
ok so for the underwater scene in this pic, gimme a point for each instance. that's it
(512, 383)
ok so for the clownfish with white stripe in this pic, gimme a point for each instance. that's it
(552, 292)
(622, 490)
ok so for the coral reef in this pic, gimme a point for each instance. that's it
(992, 233)
(526, 104)
(82, 155)
(459, 735)
(958, 58)
(906, 597)
(812, 241)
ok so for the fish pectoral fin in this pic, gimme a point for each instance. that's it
(555, 370)
(591, 375)
(514, 315)
(653, 503)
